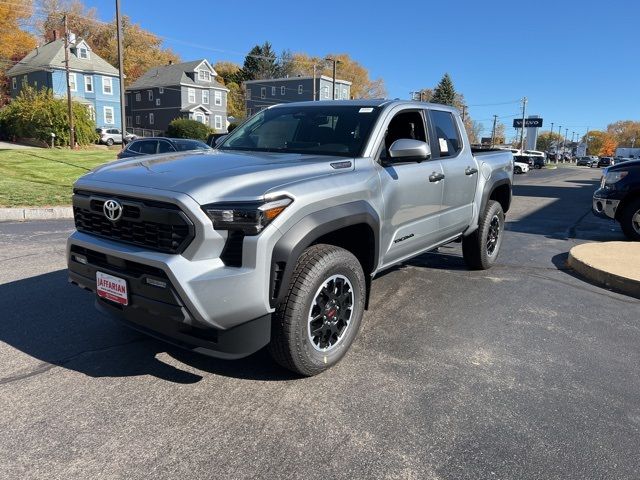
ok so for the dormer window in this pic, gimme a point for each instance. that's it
(83, 52)
(204, 75)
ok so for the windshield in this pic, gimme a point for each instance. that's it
(319, 130)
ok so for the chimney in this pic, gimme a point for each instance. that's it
(170, 62)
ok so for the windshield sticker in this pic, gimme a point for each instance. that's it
(366, 110)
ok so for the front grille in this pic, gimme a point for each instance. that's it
(154, 225)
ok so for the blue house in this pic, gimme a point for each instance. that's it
(94, 82)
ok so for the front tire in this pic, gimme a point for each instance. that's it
(109, 142)
(630, 220)
(480, 249)
(318, 320)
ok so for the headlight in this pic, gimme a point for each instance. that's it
(612, 177)
(249, 217)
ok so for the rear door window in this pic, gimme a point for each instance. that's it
(148, 147)
(448, 141)
(165, 147)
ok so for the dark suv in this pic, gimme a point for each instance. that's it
(153, 145)
(619, 197)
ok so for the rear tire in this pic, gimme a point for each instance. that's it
(480, 249)
(630, 220)
(318, 320)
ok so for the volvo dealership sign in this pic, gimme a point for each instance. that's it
(528, 123)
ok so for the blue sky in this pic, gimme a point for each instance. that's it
(577, 61)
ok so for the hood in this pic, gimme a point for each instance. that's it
(216, 175)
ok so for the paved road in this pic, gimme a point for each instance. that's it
(12, 146)
(523, 371)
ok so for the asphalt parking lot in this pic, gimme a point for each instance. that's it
(522, 371)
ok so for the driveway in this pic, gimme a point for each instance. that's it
(520, 372)
(13, 146)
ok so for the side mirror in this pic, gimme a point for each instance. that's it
(219, 140)
(407, 149)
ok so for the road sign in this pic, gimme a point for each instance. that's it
(528, 122)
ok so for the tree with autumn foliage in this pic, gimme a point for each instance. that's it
(626, 133)
(15, 42)
(547, 140)
(229, 76)
(142, 49)
(602, 144)
(347, 69)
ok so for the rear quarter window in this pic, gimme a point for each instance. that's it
(448, 141)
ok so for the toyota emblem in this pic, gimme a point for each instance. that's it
(112, 210)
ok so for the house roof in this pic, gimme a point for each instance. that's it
(51, 55)
(284, 79)
(192, 107)
(171, 75)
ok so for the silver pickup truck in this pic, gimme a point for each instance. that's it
(274, 237)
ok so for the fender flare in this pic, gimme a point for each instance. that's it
(307, 230)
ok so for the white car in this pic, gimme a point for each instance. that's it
(520, 167)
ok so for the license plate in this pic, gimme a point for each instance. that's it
(112, 288)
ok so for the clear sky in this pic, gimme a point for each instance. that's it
(577, 61)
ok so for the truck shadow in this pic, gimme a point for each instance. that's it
(47, 319)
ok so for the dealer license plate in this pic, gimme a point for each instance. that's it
(112, 288)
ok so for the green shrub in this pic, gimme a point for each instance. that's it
(37, 114)
(185, 128)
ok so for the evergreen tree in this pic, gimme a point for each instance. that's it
(444, 93)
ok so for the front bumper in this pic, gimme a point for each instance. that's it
(160, 311)
(605, 207)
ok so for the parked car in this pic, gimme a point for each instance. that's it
(583, 162)
(520, 167)
(273, 237)
(536, 162)
(154, 145)
(109, 136)
(605, 162)
(619, 197)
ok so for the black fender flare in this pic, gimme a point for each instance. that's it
(310, 228)
(489, 189)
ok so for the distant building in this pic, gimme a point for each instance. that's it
(94, 82)
(178, 90)
(628, 152)
(260, 94)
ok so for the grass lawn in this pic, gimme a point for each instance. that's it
(43, 177)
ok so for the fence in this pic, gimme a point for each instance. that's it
(146, 132)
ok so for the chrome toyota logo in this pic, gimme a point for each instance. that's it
(112, 210)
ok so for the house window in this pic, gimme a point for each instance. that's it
(283, 90)
(157, 102)
(336, 93)
(88, 83)
(273, 91)
(24, 80)
(248, 94)
(108, 115)
(263, 92)
(14, 83)
(299, 89)
(191, 92)
(160, 90)
(83, 52)
(129, 120)
(205, 97)
(138, 97)
(199, 117)
(72, 82)
(152, 119)
(217, 122)
(137, 119)
(92, 112)
(204, 75)
(325, 92)
(107, 85)
(126, 100)
(150, 93)
(217, 98)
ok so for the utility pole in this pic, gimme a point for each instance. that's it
(72, 136)
(524, 108)
(123, 113)
(314, 82)
(464, 108)
(335, 62)
(493, 131)
(586, 141)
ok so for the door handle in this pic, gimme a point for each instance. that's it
(470, 170)
(436, 177)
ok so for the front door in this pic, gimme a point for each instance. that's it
(412, 193)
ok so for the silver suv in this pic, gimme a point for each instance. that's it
(109, 136)
(274, 237)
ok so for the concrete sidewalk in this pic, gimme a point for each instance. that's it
(34, 213)
(614, 265)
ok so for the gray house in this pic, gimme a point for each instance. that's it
(261, 94)
(177, 90)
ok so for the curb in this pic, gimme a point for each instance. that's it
(582, 264)
(34, 213)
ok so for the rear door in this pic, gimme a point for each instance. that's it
(412, 192)
(460, 171)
